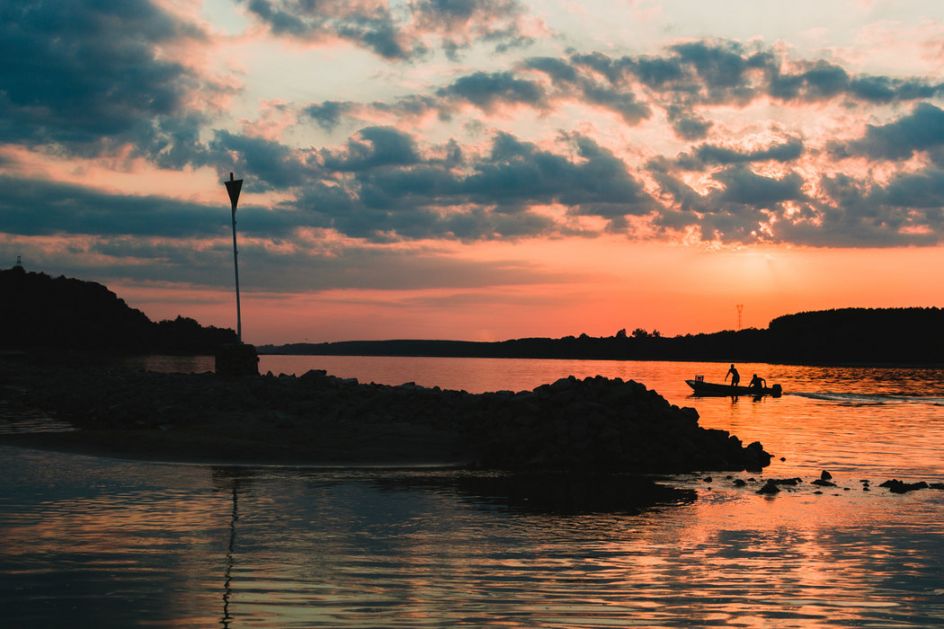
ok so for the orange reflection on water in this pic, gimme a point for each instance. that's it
(184, 545)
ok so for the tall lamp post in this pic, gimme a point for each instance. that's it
(233, 187)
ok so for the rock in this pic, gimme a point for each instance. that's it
(825, 475)
(739, 483)
(785, 481)
(237, 359)
(936, 485)
(818, 492)
(783, 458)
(900, 487)
(822, 482)
(707, 479)
(769, 488)
(594, 423)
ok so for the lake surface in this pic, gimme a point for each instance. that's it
(96, 542)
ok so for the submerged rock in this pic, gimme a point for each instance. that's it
(769, 488)
(900, 487)
(822, 482)
(785, 481)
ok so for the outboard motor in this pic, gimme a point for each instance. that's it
(776, 390)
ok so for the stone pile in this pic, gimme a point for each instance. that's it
(594, 423)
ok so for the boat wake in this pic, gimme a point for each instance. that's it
(863, 399)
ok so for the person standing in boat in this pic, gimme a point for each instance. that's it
(735, 376)
(758, 383)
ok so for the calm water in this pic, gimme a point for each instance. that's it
(96, 542)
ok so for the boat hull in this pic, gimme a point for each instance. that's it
(715, 389)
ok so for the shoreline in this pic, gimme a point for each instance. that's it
(593, 424)
(868, 365)
(54, 442)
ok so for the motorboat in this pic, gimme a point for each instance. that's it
(700, 387)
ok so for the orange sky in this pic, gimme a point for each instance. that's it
(479, 170)
(676, 290)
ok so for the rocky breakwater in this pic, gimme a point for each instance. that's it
(601, 423)
(591, 424)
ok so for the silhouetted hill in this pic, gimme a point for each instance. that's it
(64, 313)
(849, 335)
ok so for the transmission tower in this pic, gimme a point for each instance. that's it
(740, 308)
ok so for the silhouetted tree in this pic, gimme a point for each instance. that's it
(65, 313)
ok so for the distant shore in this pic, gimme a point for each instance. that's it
(318, 419)
(377, 349)
(850, 336)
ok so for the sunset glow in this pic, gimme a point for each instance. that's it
(478, 170)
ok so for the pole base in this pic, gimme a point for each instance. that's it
(237, 360)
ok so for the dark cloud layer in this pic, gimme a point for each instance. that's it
(263, 268)
(389, 191)
(684, 81)
(35, 207)
(710, 154)
(922, 129)
(908, 210)
(86, 75)
(382, 186)
(453, 25)
(486, 90)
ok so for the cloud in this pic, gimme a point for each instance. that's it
(821, 80)
(858, 214)
(487, 90)
(921, 130)
(372, 147)
(36, 207)
(272, 164)
(328, 114)
(381, 186)
(848, 212)
(276, 269)
(368, 23)
(686, 124)
(599, 183)
(444, 194)
(741, 185)
(88, 76)
(711, 72)
(711, 154)
(685, 81)
(461, 23)
(398, 33)
(924, 189)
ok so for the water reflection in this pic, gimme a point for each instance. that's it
(95, 542)
(231, 547)
(107, 543)
(549, 493)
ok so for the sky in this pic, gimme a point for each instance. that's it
(477, 169)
